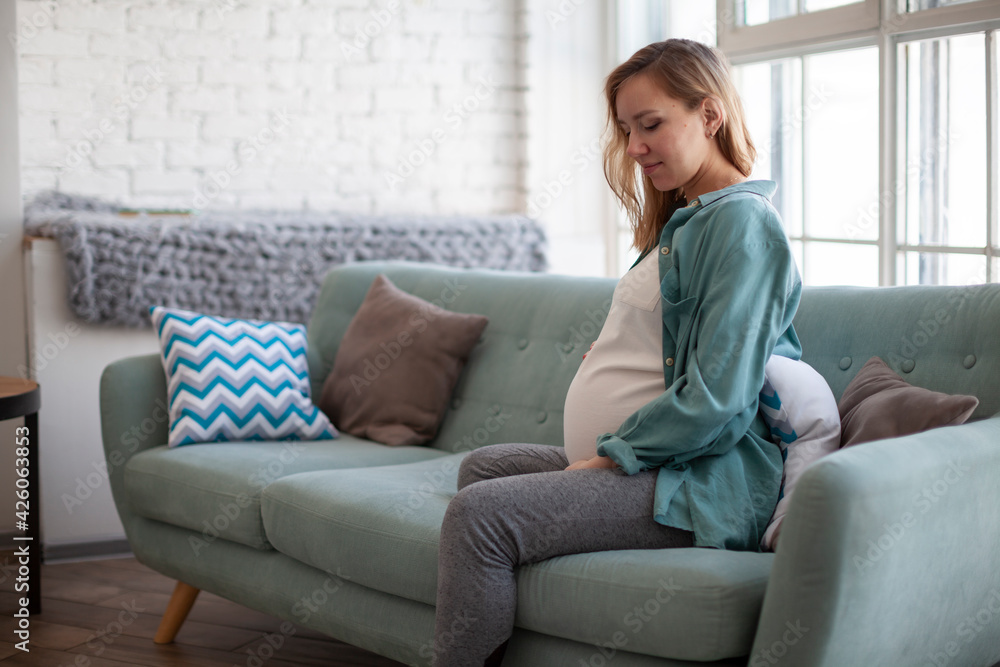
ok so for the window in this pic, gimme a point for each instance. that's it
(878, 120)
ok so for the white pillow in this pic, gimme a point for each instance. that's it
(798, 406)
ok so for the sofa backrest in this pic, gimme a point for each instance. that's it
(514, 386)
(940, 338)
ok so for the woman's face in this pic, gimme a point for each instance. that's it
(666, 139)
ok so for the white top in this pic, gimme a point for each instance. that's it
(624, 371)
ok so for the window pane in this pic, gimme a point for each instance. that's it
(762, 11)
(918, 5)
(798, 252)
(640, 22)
(816, 5)
(692, 19)
(936, 268)
(840, 114)
(772, 99)
(841, 264)
(626, 253)
(756, 12)
(946, 142)
(994, 150)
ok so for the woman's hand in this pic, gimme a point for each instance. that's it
(596, 462)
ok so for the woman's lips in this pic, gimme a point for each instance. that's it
(651, 168)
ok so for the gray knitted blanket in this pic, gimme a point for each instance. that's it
(264, 265)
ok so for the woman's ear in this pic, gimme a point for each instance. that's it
(713, 115)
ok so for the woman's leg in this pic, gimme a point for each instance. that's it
(504, 460)
(495, 525)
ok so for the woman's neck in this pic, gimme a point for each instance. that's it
(717, 173)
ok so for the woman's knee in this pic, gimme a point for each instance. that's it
(471, 514)
(476, 466)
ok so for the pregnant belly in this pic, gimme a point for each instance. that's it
(599, 399)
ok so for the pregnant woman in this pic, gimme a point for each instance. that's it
(663, 443)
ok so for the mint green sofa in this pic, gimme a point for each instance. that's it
(890, 554)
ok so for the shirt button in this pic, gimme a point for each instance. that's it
(694, 202)
(670, 361)
(665, 250)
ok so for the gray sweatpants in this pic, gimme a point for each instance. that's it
(517, 504)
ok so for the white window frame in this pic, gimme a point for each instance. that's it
(857, 21)
(881, 23)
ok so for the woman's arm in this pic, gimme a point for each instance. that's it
(746, 288)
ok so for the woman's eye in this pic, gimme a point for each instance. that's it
(651, 127)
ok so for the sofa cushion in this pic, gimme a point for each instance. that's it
(215, 488)
(879, 404)
(397, 366)
(377, 529)
(380, 528)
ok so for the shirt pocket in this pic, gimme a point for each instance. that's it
(678, 313)
(640, 287)
(633, 298)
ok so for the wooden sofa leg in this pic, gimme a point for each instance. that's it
(177, 610)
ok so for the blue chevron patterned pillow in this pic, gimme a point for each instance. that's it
(230, 380)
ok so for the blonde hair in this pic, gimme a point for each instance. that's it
(690, 72)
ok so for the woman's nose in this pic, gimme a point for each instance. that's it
(635, 146)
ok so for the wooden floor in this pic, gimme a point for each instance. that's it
(84, 604)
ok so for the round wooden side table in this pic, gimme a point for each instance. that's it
(22, 398)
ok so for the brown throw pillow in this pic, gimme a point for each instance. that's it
(879, 404)
(397, 366)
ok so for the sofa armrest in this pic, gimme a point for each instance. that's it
(134, 417)
(890, 555)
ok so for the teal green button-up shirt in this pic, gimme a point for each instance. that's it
(729, 289)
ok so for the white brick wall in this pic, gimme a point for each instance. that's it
(364, 105)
